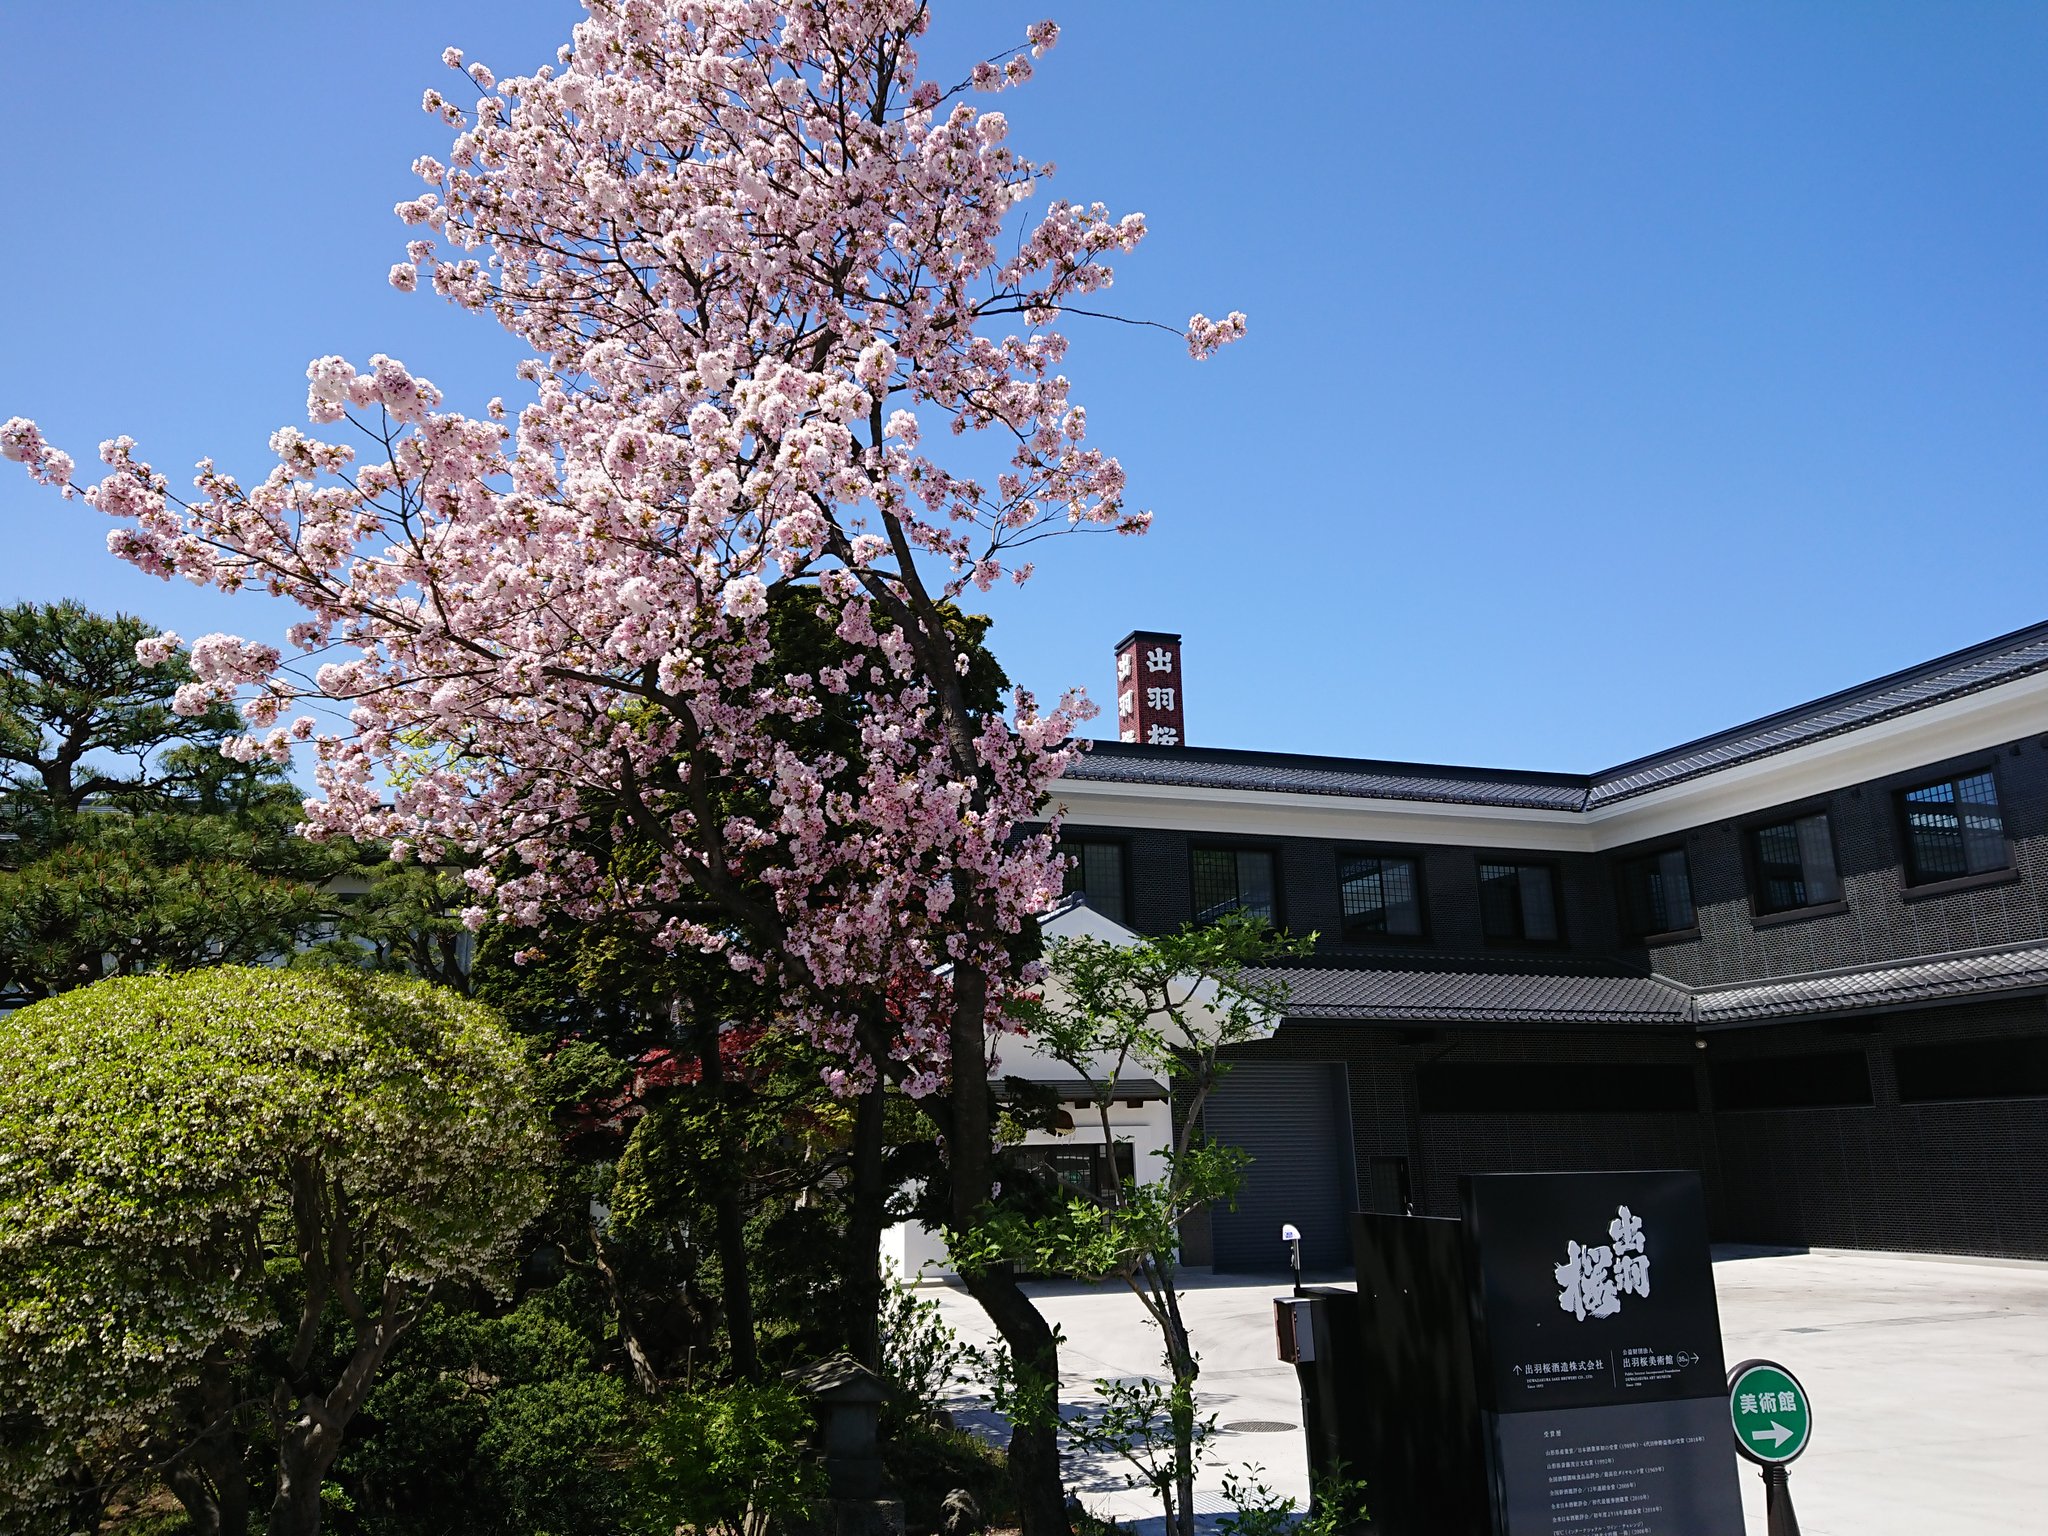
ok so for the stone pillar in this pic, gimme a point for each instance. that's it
(847, 1398)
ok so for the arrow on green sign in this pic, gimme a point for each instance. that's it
(1768, 1411)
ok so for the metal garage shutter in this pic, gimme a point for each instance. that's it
(1293, 1118)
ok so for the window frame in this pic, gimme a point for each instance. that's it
(1753, 828)
(1271, 851)
(1343, 854)
(1068, 842)
(1519, 862)
(1628, 903)
(1737, 1078)
(1910, 878)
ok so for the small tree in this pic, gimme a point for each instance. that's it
(768, 275)
(1170, 1005)
(224, 1196)
(86, 719)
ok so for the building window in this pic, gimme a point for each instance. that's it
(1382, 897)
(1795, 865)
(1234, 880)
(1090, 1171)
(1657, 893)
(2009, 1068)
(1554, 1088)
(1831, 1080)
(1518, 901)
(1096, 871)
(1954, 828)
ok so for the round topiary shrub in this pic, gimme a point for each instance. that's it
(224, 1196)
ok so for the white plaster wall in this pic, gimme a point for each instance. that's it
(919, 1253)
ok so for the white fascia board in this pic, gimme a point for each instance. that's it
(1974, 723)
(1273, 813)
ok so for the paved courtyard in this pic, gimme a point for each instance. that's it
(1929, 1380)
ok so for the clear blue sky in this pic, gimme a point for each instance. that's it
(1617, 372)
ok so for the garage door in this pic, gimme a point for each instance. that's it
(1295, 1121)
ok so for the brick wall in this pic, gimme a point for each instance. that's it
(1962, 1177)
(1881, 920)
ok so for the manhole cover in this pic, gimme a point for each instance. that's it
(1260, 1427)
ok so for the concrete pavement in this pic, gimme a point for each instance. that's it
(1928, 1378)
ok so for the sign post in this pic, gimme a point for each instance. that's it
(1772, 1420)
(1599, 1355)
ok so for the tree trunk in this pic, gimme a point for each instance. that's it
(864, 1228)
(1186, 1367)
(645, 1377)
(207, 1477)
(304, 1453)
(736, 1284)
(310, 1425)
(1034, 1437)
(970, 1155)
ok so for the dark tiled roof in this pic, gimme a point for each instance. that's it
(1476, 990)
(1964, 672)
(1478, 997)
(2003, 660)
(1928, 980)
(1221, 768)
(1074, 1087)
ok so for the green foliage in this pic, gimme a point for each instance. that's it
(127, 895)
(200, 1173)
(1019, 1394)
(713, 1457)
(1153, 1427)
(405, 918)
(1337, 1506)
(1255, 1508)
(576, 1072)
(81, 718)
(926, 1462)
(135, 845)
(483, 1425)
(922, 1356)
(801, 1266)
(1089, 1240)
(1169, 1006)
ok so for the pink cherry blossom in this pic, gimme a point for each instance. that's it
(757, 264)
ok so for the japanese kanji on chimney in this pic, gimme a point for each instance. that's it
(1150, 696)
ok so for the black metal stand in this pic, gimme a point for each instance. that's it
(1778, 1517)
(1294, 1262)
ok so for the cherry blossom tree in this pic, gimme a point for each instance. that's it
(764, 269)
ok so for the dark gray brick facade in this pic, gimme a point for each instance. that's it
(1957, 1177)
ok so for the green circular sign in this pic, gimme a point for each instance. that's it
(1769, 1412)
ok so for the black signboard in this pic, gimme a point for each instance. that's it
(1599, 1355)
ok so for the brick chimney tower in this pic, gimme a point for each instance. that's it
(1149, 701)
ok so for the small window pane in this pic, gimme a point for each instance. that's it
(1380, 896)
(1659, 893)
(1233, 880)
(1834, 1080)
(1539, 903)
(1955, 828)
(1671, 891)
(1796, 865)
(1817, 860)
(1936, 833)
(1255, 884)
(1518, 901)
(1096, 871)
(1215, 883)
(1983, 826)
(2011, 1068)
